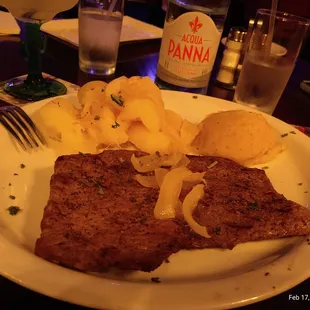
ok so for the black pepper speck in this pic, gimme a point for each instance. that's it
(155, 280)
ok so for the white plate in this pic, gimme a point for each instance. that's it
(194, 280)
(132, 30)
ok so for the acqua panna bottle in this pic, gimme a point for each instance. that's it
(190, 41)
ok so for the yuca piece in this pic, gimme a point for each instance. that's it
(125, 111)
(149, 141)
(91, 96)
(99, 216)
(57, 121)
(143, 110)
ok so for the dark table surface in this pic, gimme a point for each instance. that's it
(61, 60)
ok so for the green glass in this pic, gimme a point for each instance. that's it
(30, 15)
(34, 87)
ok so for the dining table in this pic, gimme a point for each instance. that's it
(140, 58)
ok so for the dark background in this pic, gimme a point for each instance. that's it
(239, 14)
(241, 11)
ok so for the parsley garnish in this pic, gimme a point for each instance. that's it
(97, 118)
(265, 167)
(118, 100)
(85, 154)
(195, 97)
(133, 199)
(284, 135)
(22, 166)
(83, 181)
(96, 182)
(157, 153)
(258, 218)
(102, 90)
(115, 125)
(293, 132)
(155, 280)
(142, 219)
(101, 191)
(299, 184)
(253, 206)
(217, 230)
(10, 184)
(13, 210)
(12, 197)
(15, 173)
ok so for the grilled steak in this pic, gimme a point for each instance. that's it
(98, 216)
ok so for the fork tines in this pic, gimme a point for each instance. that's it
(21, 127)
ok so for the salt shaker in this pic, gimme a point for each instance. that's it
(231, 57)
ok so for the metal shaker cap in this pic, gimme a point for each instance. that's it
(237, 34)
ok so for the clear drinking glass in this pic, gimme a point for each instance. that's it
(30, 15)
(270, 59)
(100, 25)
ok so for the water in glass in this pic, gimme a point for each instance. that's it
(99, 37)
(261, 84)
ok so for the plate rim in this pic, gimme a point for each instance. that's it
(303, 246)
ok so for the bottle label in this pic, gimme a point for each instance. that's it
(188, 50)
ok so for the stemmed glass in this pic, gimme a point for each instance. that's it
(30, 15)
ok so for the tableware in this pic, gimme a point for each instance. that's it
(100, 27)
(191, 37)
(20, 126)
(229, 66)
(267, 67)
(132, 30)
(276, 49)
(7, 98)
(30, 15)
(305, 86)
(193, 280)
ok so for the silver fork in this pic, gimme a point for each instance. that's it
(20, 126)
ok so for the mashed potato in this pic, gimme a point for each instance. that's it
(242, 136)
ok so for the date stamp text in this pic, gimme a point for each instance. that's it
(299, 297)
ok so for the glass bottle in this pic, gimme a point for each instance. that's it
(191, 37)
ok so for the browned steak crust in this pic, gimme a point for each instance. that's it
(98, 216)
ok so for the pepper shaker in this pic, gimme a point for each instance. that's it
(231, 57)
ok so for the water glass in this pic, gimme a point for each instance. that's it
(270, 59)
(100, 24)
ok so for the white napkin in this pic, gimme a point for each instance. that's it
(8, 24)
